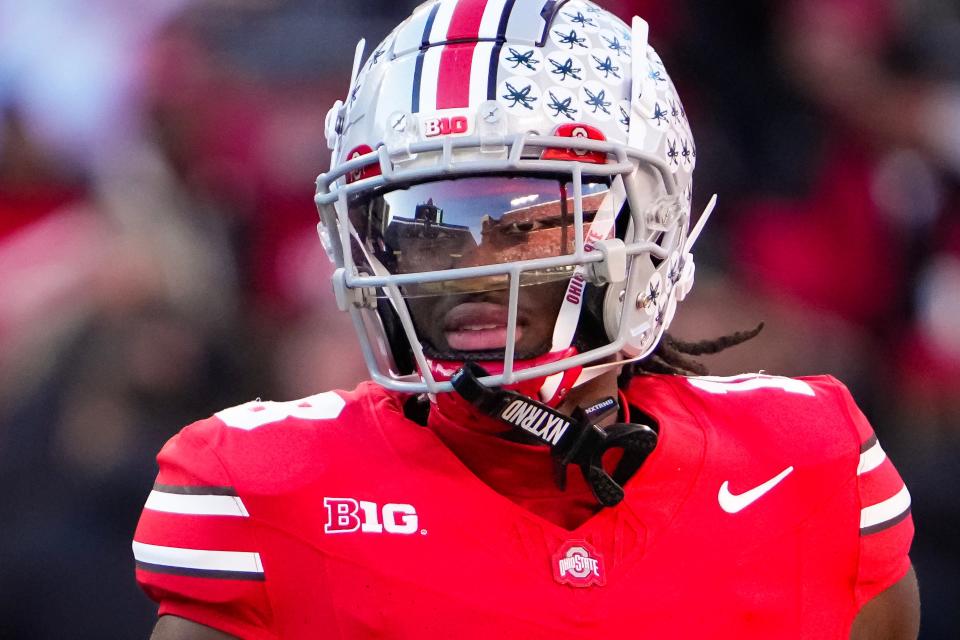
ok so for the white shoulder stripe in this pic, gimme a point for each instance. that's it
(200, 559)
(871, 459)
(198, 505)
(750, 382)
(886, 510)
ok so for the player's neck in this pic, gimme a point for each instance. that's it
(461, 412)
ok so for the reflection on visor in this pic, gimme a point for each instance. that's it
(480, 284)
(472, 222)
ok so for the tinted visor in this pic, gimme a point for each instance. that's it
(472, 222)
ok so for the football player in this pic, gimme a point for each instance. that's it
(509, 211)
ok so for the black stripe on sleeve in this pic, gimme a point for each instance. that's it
(185, 490)
(872, 440)
(256, 576)
(886, 524)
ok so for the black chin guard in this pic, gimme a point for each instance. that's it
(573, 439)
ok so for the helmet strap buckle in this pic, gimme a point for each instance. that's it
(576, 439)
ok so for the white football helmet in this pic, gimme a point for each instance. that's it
(499, 145)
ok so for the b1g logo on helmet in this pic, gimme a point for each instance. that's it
(453, 125)
(579, 565)
(346, 515)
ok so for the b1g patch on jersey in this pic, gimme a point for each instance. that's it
(348, 515)
(578, 564)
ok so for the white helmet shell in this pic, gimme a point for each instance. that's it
(466, 86)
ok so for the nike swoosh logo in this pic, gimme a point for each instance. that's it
(733, 503)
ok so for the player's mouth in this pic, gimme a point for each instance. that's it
(478, 326)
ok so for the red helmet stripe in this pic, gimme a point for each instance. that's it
(466, 19)
(453, 85)
(467, 35)
(456, 61)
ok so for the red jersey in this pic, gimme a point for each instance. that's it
(767, 510)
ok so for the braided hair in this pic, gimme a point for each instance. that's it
(675, 357)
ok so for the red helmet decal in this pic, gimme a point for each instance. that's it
(366, 171)
(576, 130)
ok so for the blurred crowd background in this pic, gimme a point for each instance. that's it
(159, 260)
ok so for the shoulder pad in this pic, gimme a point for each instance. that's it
(257, 413)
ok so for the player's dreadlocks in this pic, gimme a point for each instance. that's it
(673, 356)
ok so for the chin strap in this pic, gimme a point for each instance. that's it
(576, 439)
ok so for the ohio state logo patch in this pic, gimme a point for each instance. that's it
(579, 565)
